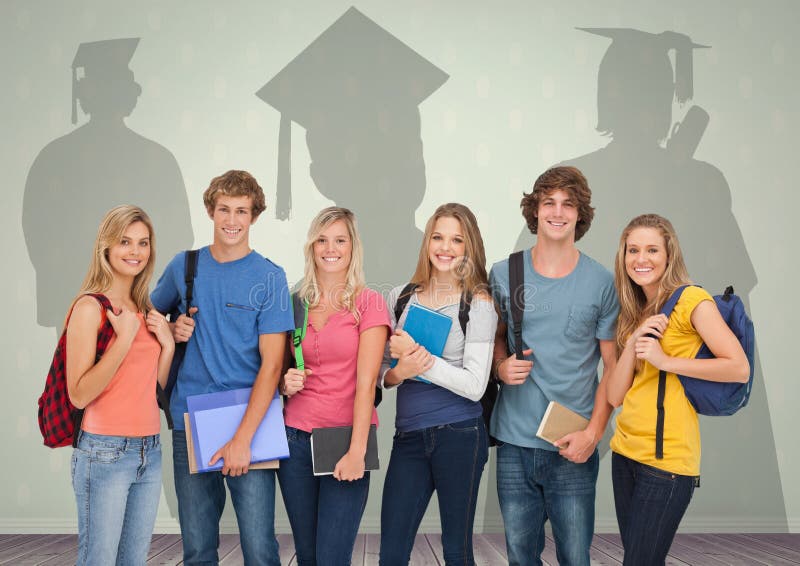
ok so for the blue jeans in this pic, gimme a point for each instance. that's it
(447, 458)
(324, 512)
(534, 485)
(201, 500)
(117, 483)
(650, 504)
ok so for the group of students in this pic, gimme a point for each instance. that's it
(236, 334)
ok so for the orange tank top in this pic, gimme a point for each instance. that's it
(128, 405)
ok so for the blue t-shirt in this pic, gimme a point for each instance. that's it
(237, 301)
(562, 323)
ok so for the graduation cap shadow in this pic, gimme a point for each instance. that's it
(649, 166)
(78, 177)
(356, 90)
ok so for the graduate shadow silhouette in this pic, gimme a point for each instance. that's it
(78, 177)
(649, 166)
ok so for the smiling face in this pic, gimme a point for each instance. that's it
(129, 257)
(646, 258)
(557, 215)
(446, 247)
(333, 249)
(232, 218)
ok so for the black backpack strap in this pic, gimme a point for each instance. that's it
(402, 300)
(516, 297)
(666, 310)
(662, 387)
(189, 273)
(463, 311)
(163, 394)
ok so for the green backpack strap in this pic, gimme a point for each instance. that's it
(300, 310)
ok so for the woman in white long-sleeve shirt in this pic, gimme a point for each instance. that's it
(441, 443)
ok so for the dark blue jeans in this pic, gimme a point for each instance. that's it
(324, 512)
(534, 485)
(650, 504)
(201, 500)
(449, 459)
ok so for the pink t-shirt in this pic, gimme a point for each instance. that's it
(332, 355)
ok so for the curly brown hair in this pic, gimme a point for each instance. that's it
(235, 184)
(567, 179)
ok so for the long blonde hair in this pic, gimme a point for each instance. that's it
(471, 272)
(100, 274)
(354, 279)
(634, 306)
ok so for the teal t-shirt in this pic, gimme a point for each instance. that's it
(562, 323)
(237, 302)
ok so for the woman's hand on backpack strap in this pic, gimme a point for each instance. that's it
(653, 325)
(293, 381)
(157, 324)
(125, 324)
(649, 349)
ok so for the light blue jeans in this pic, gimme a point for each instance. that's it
(117, 483)
(534, 485)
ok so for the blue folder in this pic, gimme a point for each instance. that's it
(428, 328)
(216, 416)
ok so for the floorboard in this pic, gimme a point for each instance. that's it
(490, 550)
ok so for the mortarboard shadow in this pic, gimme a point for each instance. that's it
(634, 174)
(356, 91)
(78, 177)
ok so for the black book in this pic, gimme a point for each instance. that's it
(328, 445)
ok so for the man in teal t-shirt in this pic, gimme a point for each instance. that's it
(568, 325)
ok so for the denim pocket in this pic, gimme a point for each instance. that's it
(582, 321)
(656, 473)
(469, 425)
(106, 455)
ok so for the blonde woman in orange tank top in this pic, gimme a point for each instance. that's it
(116, 465)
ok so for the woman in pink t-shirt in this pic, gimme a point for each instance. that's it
(116, 464)
(348, 326)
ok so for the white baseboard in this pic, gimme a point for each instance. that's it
(372, 526)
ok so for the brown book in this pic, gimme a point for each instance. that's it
(268, 465)
(559, 421)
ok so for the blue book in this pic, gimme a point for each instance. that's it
(428, 328)
(216, 416)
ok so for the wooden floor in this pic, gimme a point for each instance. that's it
(705, 549)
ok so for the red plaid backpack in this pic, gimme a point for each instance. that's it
(59, 420)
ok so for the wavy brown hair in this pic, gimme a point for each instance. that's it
(634, 306)
(569, 180)
(100, 275)
(235, 184)
(471, 272)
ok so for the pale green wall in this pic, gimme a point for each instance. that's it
(521, 96)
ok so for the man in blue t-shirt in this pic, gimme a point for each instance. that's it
(568, 325)
(235, 337)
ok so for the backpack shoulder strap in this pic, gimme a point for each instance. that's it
(463, 310)
(402, 300)
(669, 306)
(300, 311)
(189, 273)
(516, 297)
